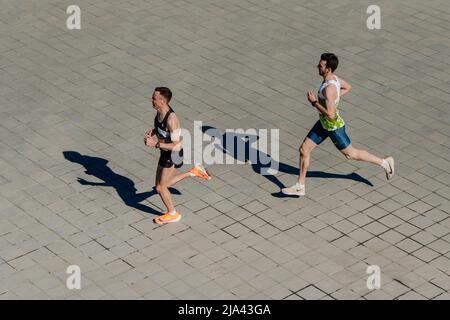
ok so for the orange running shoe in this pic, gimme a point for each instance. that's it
(167, 218)
(199, 171)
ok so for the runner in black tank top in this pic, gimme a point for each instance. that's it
(167, 158)
(167, 132)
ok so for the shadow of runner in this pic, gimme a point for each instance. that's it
(258, 166)
(124, 186)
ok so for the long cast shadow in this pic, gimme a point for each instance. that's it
(243, 154)
(124, 186)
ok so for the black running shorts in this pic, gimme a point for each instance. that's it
(168, 159)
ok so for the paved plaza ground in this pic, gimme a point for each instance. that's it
(76, 179)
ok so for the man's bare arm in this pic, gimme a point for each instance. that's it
(345, 87)
(329, 110)
(173, 126)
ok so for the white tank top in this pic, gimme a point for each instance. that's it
(326, 84)
(337, 122)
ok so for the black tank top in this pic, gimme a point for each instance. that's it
(161, 127)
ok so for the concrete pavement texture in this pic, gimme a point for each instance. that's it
(76, 180)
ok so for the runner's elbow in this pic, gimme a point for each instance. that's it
(177, 146)
(330, 115)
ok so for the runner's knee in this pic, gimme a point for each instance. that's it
(304, 151)
(159, 188)
(351, 154)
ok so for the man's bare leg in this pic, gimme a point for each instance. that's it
(305, 151)
(162, 187)
(191, 173)
(158, 174)
(167, 177)
(351, 153)
(179, 177)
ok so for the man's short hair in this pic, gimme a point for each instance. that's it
(165, 92)
(331, 59)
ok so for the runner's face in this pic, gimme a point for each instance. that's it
(157, 100)
(322, 66)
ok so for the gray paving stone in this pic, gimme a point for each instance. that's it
(49, 105)
(375, 228)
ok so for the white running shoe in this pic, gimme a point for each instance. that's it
(296, 190)
(390, 171)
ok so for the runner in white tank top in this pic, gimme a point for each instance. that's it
(331, 125)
